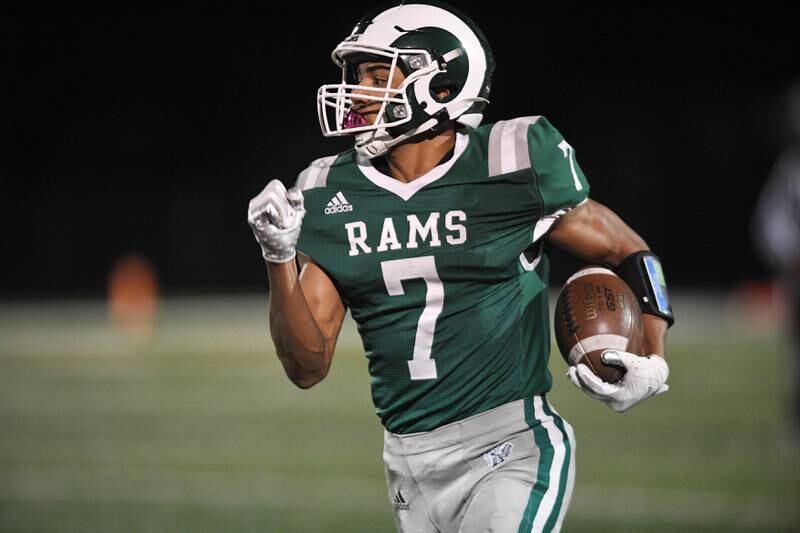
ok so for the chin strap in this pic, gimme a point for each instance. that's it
(376, 143)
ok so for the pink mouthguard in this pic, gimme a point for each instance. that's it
(354, 120)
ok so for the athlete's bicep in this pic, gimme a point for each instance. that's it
(594, 232)
(323, 300)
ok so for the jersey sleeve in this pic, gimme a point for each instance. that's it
(316, 174)
(560, 181)
(315, 232)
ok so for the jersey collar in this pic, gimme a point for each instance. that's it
(407, 190)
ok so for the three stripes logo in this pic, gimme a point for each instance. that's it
(338, 204)
(399, 503)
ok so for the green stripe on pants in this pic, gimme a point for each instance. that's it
(565, 467)
(552, 476)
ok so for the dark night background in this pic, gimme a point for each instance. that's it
(149, 130)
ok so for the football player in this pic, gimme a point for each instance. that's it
(775, 230)
(431, 231)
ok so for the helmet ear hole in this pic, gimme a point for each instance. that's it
(444, 93)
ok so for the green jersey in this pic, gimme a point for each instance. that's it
(445, 275)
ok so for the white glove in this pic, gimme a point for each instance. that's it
(644, 377)
(275, 216)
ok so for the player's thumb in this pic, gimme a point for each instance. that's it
(295, 197)
(573, 377)
(616, 358)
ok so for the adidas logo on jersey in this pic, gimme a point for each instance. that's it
(338, 204)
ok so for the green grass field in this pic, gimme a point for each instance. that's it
(197, 429)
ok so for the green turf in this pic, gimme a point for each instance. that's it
(198, 429)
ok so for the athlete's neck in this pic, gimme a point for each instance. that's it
(410, 160)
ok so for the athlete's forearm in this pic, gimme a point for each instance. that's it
(655, 335)
(299, 342)
(623, 242)
(597, 234)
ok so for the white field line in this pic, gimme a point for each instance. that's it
(43, 484)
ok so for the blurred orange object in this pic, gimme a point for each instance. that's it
(133, 295)
(756, 306)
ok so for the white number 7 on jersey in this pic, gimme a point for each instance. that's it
(399, 270)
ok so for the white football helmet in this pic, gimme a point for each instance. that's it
(436, 48)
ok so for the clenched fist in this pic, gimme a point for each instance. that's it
(275, 216)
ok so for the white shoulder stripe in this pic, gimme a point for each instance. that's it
(316, 175)
(508, 146)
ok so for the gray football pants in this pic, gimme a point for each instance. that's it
(508, 469)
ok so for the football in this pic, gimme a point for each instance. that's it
(596, 311)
